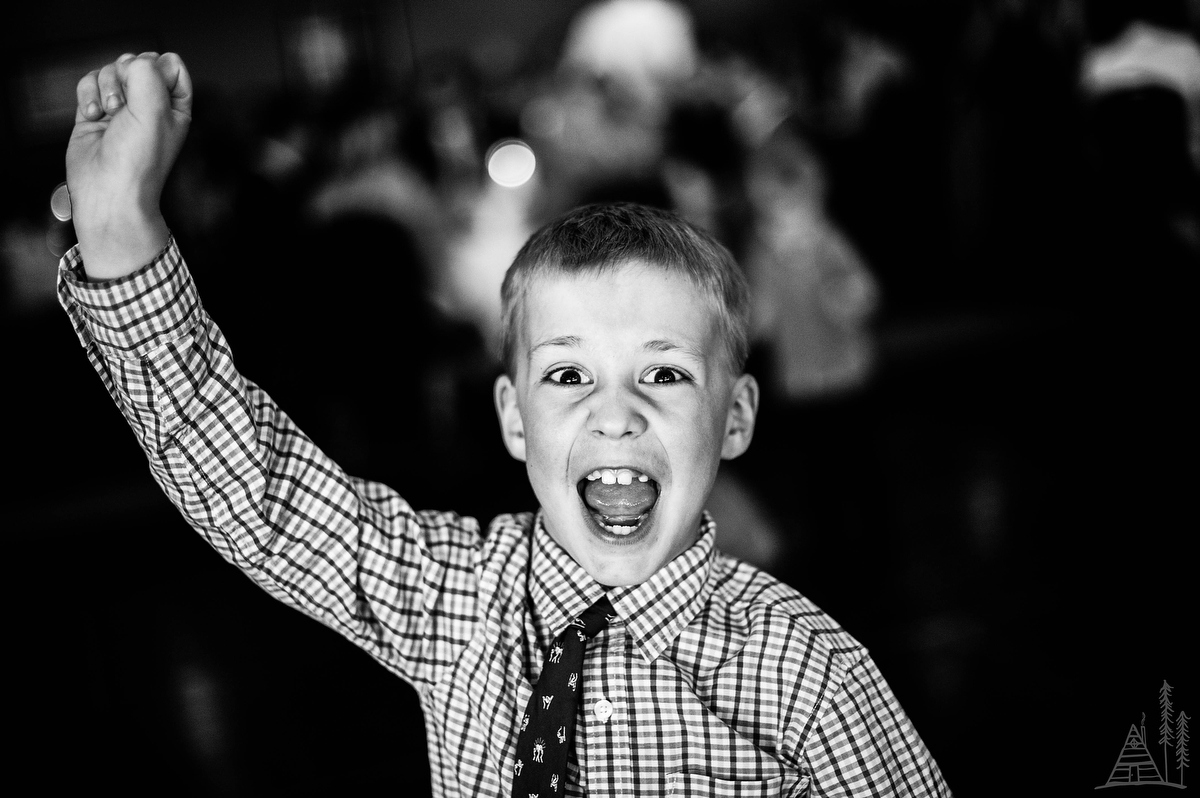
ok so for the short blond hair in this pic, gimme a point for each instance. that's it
(596, 238)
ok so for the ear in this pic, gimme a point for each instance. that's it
(739, 423)
(512, 428)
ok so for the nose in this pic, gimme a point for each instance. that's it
(614, 413)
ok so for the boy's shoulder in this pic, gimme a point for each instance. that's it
(763, 605)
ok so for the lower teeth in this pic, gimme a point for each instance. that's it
(621, 529)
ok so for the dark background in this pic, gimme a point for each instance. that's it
(1000, 513)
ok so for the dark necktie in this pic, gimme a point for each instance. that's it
(547, 729)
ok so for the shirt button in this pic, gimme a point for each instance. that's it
(603, 709)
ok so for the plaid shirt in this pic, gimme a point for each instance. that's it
(715, 678)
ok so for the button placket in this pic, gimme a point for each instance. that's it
(605, 703)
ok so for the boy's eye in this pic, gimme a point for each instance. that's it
(664, 374)
(568, 375)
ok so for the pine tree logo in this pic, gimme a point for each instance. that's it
(1136, 764)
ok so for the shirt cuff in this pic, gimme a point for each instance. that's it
(131, 316)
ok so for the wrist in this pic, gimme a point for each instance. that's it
(115, 244)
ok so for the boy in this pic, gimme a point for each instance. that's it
(625, 336)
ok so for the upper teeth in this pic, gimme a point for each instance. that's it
(617, 476)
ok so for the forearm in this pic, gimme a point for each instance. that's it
(168, 369)
(241, 472)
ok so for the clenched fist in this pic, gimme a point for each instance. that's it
(130, 124)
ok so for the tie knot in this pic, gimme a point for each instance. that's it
(595, 617)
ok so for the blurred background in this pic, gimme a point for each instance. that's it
(971, 229)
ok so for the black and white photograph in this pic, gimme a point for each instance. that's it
(601, 397)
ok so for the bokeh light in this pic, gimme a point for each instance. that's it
(510, 163)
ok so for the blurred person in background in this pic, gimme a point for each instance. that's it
(619, 73)
(814, 295)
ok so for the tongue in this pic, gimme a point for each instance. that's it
(620, 501)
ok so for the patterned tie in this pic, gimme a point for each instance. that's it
(548, 726)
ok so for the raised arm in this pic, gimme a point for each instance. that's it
(350, 553)
(130, 124)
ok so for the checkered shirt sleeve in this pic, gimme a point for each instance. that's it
(350, 553)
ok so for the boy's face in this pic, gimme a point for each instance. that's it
(622, 377)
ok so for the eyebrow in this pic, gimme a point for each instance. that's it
(654, 345)
(660, 345)
(561, 340)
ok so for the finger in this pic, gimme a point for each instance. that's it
(128, 61)
(87, 98)
(112, 95)
(179, 82)
(146, 90)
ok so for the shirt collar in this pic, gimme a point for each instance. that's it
(559, 588)
(654, 612)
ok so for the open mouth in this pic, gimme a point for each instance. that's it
(619, 499)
